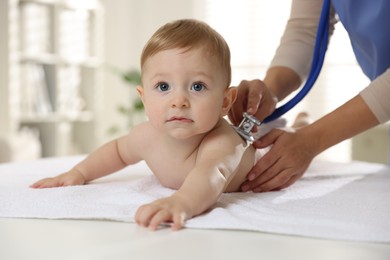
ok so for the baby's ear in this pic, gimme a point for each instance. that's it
(228, 100)
(140, 91)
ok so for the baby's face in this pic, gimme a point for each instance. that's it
(183, 92)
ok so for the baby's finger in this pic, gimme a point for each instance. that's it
(178, 221)
(160, 217)
(36, 185)
(144, 215)
(41, 183)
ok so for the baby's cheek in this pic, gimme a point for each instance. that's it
(156, 116)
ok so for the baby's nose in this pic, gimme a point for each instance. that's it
(180, 101)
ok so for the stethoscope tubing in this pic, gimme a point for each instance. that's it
(320, 48)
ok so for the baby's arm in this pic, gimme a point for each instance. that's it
(216, 165)
(107, 159)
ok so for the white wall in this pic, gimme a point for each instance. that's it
(129, 24)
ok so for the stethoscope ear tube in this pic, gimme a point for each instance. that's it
(320, 48)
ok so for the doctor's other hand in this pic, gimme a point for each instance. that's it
(289, 157)
(254, 98)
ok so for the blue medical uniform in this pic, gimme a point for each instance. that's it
(368, 25)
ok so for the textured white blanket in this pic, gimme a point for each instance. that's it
(333, 200)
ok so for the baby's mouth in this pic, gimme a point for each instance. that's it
(180, 119)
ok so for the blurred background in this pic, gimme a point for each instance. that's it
(68, 70)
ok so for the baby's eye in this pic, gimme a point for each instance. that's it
(198, 86)
(163, 86)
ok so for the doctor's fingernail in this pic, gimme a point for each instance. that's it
(251, 176)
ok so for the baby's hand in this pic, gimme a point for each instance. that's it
(70, 178)
(172, 209)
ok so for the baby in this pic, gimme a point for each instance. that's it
(186, 142)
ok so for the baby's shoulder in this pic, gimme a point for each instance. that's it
(143, 133)
(223, 135)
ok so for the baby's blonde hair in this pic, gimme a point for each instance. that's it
(188, 34)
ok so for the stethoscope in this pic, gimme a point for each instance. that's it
(321, 43)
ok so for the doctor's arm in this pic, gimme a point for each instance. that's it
(289, 66)
(292, 152)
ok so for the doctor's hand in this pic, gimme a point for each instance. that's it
(254, 98)
(289, 157)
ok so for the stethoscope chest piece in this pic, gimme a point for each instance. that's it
(244, 129)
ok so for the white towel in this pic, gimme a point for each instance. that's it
(333, 200)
